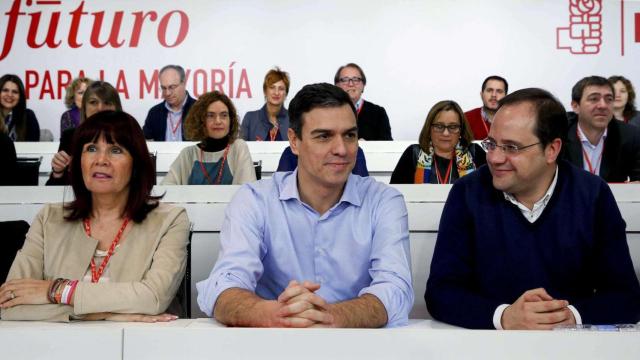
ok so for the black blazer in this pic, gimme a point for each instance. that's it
(373, 123)
(155, 125)
(621, 157)
(7, 160)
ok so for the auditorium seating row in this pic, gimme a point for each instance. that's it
(381, 156)
(206, 204)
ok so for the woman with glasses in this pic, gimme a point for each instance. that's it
(445, 152)
(220, 158)
(271, 122)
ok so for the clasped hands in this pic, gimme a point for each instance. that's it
(537, 310)
(299, 306)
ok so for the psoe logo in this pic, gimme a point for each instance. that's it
(584, 33)
(116, 36)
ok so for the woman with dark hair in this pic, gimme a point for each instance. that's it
(445, 151)
(624, 104)
(271, 122)
(98, 96)
(16, 120)
(220, 158)
(115, 252)
(73, 102)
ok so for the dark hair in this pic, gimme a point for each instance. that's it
(177, 68)
(578, 88)
(195, 123)
(103, 91)
(550, 116)
(336, 77)
(321, 95)
(19, 113)
(446, 105)
(497, 78)
(630, 106)
(273, 76)
(123, 129)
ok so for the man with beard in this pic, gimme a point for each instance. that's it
(494, 88)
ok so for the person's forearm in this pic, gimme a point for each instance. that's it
(366, 311)
(239, 307)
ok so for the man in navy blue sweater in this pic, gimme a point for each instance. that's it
(530, 241)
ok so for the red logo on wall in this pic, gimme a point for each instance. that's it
(584, 33)
(115, 33)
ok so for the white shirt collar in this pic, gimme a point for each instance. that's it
(533, 214)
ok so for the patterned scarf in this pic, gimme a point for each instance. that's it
(464, 164)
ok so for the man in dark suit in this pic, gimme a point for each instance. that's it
(610, 149)
(373, 122)
(165, 121)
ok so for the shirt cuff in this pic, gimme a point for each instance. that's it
(576, 314)
(497, 316)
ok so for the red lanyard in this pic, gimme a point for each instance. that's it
(204, 169)
(447, 175)
(586, 156)
(359, 108)
(95, 275)
(273, 132)
(484, 123)
(174, 128)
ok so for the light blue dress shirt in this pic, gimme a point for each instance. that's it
(361, 245)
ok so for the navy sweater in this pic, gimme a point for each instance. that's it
(488, 254)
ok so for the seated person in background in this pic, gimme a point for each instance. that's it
(271, 122)
(115, 252)
(624, 103)
(165, 121)
(73, 102)
(610, 149)
(445, 138)
(289, 162)
(317, 246)
(529, 241)
(16, 120)
(7, 160)
(99, 96)
(373, 122)
(220, 158)
(494, 88)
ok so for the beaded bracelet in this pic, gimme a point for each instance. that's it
(52, 290)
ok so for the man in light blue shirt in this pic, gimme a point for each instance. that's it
(317, 246)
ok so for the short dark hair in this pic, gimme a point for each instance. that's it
(177, 68)
(594, 80)
(196, 121)
(321, 95)
(123, 129)
(336, 77)
(103, 91)
(497, 78)
(550, 115)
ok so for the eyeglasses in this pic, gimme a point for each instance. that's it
(453, 128)
(169, 88)
(212, 116)
(345, 80)
(490, 145)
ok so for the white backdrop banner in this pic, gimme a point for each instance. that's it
(414, 53)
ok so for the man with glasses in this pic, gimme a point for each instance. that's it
(530, 241)
(165, 120)
(610, 149)
(494, 88)
(373, 122)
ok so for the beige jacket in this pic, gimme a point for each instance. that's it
(145, 271)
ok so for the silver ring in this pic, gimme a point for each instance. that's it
(12, 295)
